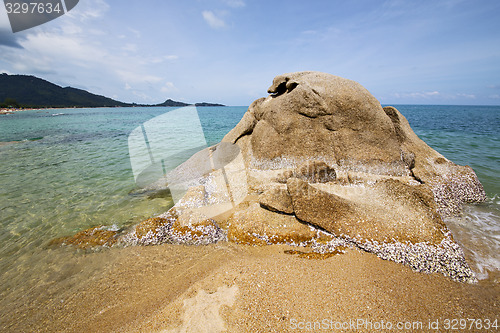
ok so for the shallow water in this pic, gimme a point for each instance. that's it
(66, 170)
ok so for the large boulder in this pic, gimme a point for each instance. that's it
(311, 114)
(320, 162)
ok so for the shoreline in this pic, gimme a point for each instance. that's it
(5, 111)
(235, 287)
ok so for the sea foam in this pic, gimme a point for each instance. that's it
(477, 230)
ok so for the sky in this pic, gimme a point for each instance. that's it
(228, 51)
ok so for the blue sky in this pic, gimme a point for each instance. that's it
(228, 51)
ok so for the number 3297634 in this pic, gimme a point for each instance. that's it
(469, 323)
(32, 8)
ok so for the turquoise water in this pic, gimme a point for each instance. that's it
(69, 169)
(467, 135)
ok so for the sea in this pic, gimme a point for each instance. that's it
(66, 170)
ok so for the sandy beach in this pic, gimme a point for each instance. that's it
(12, 110)
(233, 288)
(250, 166)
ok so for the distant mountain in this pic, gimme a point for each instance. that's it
(208, 104)
(170, 102)
(31, 91)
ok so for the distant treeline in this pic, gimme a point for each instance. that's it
(26, 91)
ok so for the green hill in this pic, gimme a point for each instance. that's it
(170, 102)
(32, 92)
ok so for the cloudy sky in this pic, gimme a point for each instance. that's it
(228, 51)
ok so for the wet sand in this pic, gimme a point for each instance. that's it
(171, 288)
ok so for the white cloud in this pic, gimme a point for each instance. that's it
(72, 55)
(136, 77)
(159, 60)
(433, 95)
(4, 20)
(309, 32)
(136, 33)
(168, 88)
(145, 97)
(212, 20)
(471, 96)
(235, 3)
(88, 10)
(56, 47)
(130, 47)
(425, 94)
(417, 94)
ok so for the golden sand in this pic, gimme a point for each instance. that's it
(234, 288)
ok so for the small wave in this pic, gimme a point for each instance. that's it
(478, 232)
(113, 227)
(495, 199)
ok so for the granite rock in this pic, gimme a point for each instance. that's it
(320, 163)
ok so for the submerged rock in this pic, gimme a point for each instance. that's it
(90, 238)
(320, 163)
(175, 227)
